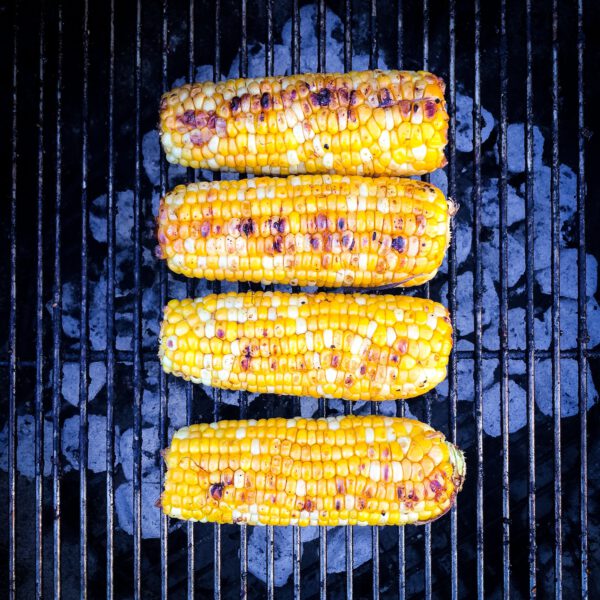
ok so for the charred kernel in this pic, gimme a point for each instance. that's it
(235, 103)
(399, 244)
(324, 97)
(265, 101)
(216, 491)
(385, 98)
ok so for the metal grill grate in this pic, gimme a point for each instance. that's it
(82, 295)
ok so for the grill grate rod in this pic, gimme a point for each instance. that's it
(582, 337)
(452, 266)
(57, 323)
(529, 314)
(503, 330)
(12, 330)
(163, 389)
(137, 316)
(110, 316)
(83, 319)
(555, 270)
(242, 287)
(39, 329)
(478, 298)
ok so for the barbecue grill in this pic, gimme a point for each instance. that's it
(86, 409)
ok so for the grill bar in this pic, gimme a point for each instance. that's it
(555, 270)
(400, 404)
(137, 316)
(478, 298)
(582, 337)
(503, 332)
(296, 532)
(373, 64)
(348, 410)
(189, 288)
(427, 294)
(529, 322)
(452, 266)
(39, 328)
(110, 316)
(12, 331)
(83, 319)
(163, 389)
(217, 393)
(242, 287)
(57, 321)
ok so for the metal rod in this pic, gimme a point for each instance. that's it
(582, 338)
(296, 531)
(12, 331)
(374, 50)
(243, 397)
(217, 393)
(39, 328)
(57, 324)
(110, 316)
(189, 388)
(83, 319)
(400, 34)
(555, 311)
(452, 267)
(503, 332)
(348, 410)
(137, 317)
(529, 314)
(478, 298)
(321, 36)
(163, 391)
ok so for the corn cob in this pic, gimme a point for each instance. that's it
(356, 347)
(336, 471)
(324, 230)
(358, 123)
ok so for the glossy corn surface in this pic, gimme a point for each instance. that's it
(356, 347)
(358, 123)
(323, 230)
(336, 471)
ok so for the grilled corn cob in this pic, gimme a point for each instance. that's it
(335, 471)
(358, 123)
(356, 347)
(325, 230)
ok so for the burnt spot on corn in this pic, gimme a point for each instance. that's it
(399, 243)
(220, 333)
(278, 244)
(265, 101)
(245, 364)
(247, 227)
(188, 117)
(385, 98)
(324, 97)
(216, 491)
(429, 109)
(402, 346)
(205, 229)
(235, 103)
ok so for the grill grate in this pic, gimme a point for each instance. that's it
(521, 524)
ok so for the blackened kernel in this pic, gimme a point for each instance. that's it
(265, 100)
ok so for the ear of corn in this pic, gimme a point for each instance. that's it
(336, 471)
(323, 230)
(356, 347)
(358, 123)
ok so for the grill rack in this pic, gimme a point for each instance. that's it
(50, 351)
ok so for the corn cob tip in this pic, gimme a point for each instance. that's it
(457, 460)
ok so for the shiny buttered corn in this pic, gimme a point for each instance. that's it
(358, 123)
(323, 230)
(335, 471)
(356, 347)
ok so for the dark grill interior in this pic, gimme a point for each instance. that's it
(81, 175)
